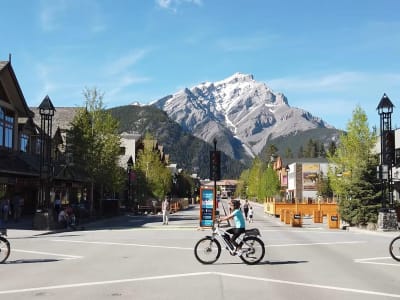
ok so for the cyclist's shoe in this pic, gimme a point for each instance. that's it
(239, 252)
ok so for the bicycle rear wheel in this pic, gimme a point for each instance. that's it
(394, 248)
(4, 249)
(253, 250)
(207, 250)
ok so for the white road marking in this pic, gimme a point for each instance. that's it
(327, 287)
(316, 244)
(66, 256)
(122, 244)
(191, 248)
(108, 282)
(372, 260)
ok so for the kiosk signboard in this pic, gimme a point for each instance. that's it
(207, 208)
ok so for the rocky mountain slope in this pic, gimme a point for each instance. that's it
(241, 113)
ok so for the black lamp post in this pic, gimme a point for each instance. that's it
(46, 111)
(129, 169)
(385, 110)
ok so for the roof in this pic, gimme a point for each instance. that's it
(14, 89)
(63, 116)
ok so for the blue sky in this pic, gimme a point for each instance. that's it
(326, 56)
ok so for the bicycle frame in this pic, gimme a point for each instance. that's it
(225, 237)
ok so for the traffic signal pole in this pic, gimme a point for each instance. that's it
(215, 178)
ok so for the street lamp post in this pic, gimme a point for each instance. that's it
(46, 111)
(129, 165)
(386, 217)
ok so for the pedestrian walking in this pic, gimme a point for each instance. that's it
(246, 208)
(165, 211)
(251, 213)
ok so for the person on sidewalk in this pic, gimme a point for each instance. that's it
(246, 209)
(165, 211)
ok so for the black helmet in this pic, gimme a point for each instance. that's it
(235, 203)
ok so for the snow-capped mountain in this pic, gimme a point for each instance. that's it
(241, 113)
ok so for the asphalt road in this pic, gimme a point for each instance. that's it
(132, 257)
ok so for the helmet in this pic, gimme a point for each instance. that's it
(235, 203)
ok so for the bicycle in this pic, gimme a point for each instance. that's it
(394, 248)
(4, 246)
(208, 249)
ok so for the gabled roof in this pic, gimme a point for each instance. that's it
(8, 78)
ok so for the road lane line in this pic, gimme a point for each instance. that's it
(123, 244)
(311, 285)
(271, 280)
(191, 248)
(372, 261)
(93, 283)
(316, 244)
(47, 253)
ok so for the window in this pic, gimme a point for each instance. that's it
(24, 142)
(6, 129)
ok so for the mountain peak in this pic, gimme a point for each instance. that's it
(246, 112)
(237, 77)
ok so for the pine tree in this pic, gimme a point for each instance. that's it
(352, 176)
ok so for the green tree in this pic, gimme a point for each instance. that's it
(156, 178)
(242, 185)
(353, 172)
(271, 180)
(95, 145)
(288, 153)
(254, 178)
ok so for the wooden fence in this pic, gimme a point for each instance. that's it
(275, 208)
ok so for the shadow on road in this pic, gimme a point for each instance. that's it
(285, 262)
(31, 261)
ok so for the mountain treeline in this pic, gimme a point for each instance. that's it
(189, 152)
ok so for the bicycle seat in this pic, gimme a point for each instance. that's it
(253, 231)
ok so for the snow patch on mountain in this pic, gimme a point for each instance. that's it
(237, 108)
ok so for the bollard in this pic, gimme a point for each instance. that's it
(296, 220)
(317, 216)
(287, 217)
(333, 221)
(282, 215)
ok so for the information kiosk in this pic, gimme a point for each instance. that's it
(207, 207)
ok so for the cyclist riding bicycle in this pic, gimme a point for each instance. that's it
(240, 223)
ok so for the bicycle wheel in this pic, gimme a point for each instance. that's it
(4, 249)
(207, 250)
(253, 250)
(394, 248)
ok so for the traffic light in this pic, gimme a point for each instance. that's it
(388, 147)
(215, 165)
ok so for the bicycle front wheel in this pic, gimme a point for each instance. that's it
(253, 250)
(207, 250)
(394, 248)
(4, 249)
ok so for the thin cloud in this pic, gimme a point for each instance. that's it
(49, 13)
(174, 4)
(124, 63)
(55, 14)
(125, 81)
